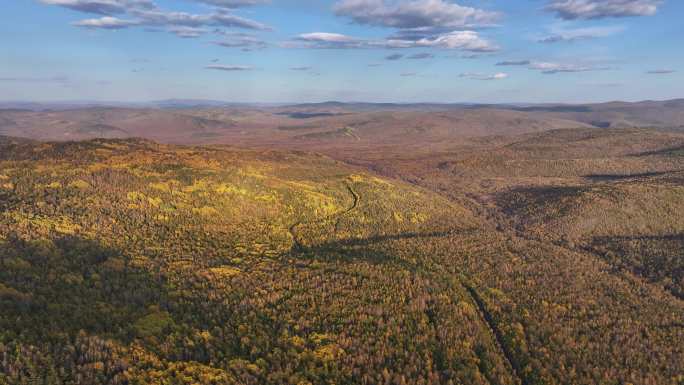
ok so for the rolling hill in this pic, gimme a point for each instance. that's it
(316, 124)
(128, 261)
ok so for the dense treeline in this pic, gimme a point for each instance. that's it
(128, 262)
(125, 262)
(591, 268)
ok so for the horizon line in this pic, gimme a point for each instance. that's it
(285, 103)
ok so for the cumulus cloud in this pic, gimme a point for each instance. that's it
(599, 9)
(110, 7)
(439, 24)
(229, 68)
(326, 37)
(146, 13)
(419, 56)
(480, 76)
(220, 18)
(100, 7)
(568, 35)
(514, 63)
(395, 56)
(326, 40)
(105, 22)
(464, 40)
(406, 14)
(458, 40)
(660, 72)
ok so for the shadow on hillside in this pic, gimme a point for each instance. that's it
(668, 237)
(659, 259)
(63, 285)
(618, 177)
(520, 199)
(369, 249)
(669, 151)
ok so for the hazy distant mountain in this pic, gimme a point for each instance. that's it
(165, 104)
(211, 121)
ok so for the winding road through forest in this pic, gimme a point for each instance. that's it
(297, 245)
(485, 316)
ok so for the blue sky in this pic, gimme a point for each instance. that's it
(490, 51)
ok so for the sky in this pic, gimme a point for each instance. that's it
(275, 51)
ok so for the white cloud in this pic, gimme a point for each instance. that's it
(599, 9)
(555, 68)
(101, 7)
(464, 40)
(325, 40)
(188, 32)
(461, 40)
(244, 41)
(326, 37)
(146, 13)
(480, 76)
(572, 34)
(105, 22)
(406, 14)
(549, 68)
(219, 19)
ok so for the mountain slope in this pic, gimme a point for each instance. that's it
(128, 261)
(131, 261)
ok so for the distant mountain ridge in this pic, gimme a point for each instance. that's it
(188, 121)
(208, 103)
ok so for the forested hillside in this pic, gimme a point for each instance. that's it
(131, 262)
